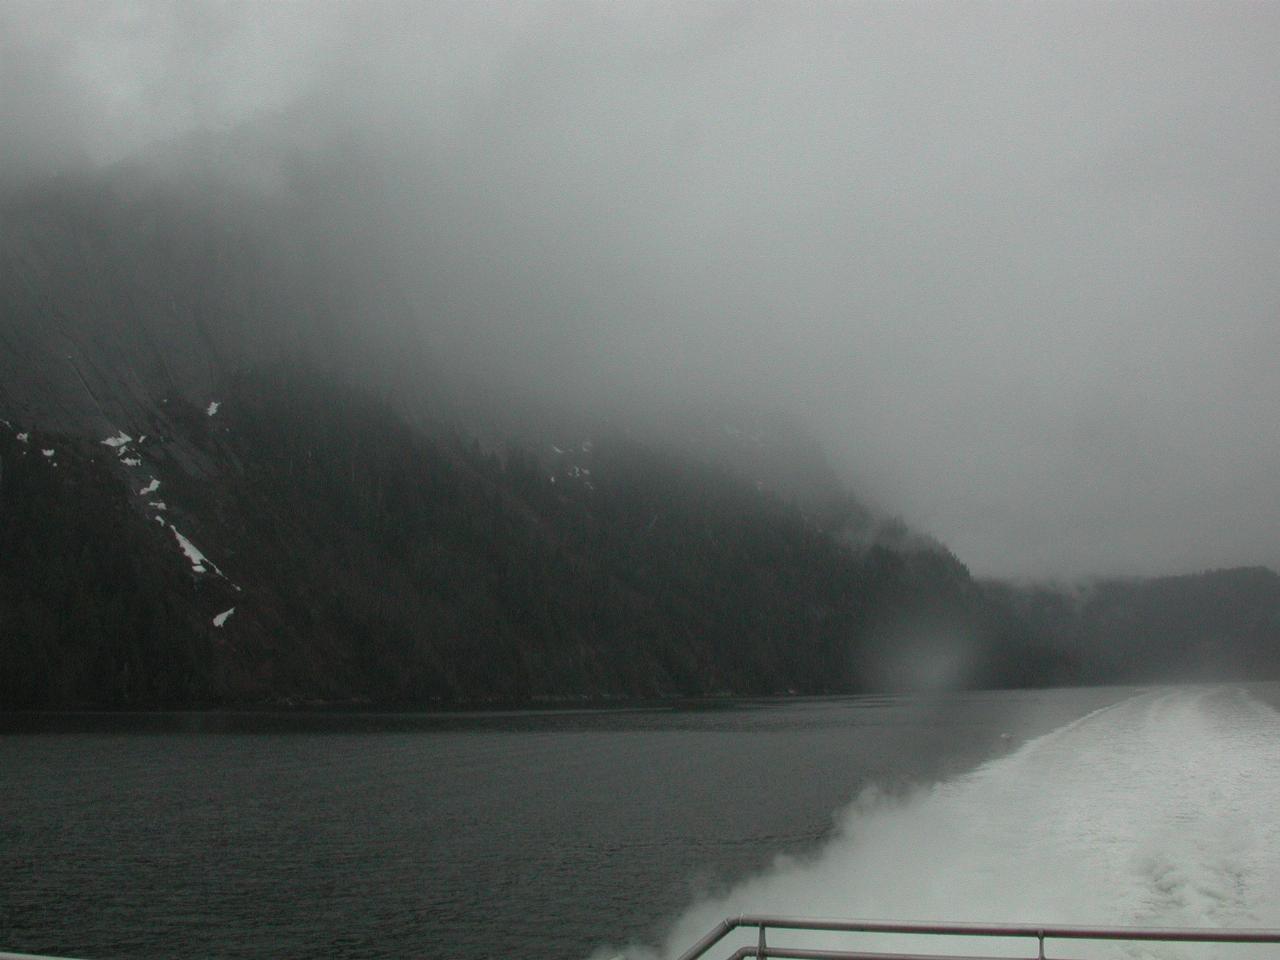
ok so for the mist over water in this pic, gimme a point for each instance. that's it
(1158, 811)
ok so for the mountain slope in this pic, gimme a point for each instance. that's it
(365, 560)
(124, 290)
(219, 483)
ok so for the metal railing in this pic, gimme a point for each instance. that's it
(1039, 933)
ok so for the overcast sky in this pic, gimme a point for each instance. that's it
(1016, 264)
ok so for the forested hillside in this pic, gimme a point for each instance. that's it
(368, 561)
(1216, 625)
(231, 472)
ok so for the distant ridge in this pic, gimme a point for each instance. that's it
(1219, 624)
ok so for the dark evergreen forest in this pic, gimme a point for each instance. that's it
(369, 543)
(370, 561)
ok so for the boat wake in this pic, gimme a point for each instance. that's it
(1157, 811)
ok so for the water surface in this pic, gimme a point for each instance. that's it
(458, 835)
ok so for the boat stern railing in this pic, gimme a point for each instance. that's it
(762, 950)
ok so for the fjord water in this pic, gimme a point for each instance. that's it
(1157, 811)
(563, 833)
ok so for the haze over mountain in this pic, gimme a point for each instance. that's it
(406, 353)
(1014, 266)
(214, 491)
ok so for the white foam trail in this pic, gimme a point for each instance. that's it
(1160, 810)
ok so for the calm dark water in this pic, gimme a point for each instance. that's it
(469, 836)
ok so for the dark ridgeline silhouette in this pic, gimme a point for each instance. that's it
(370, 561)
(296, 505)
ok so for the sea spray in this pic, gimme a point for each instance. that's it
(1158, 810)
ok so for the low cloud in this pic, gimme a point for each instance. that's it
(1016, 265)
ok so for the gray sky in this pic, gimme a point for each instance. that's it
(1016, 264)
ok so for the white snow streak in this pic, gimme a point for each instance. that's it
(213, 407)
(119, 440)
(150, 488)
(221, 618)
(131, 461)
(199, 562)
(198, 559)
(47, 453)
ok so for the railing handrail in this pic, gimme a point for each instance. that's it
(1036, 931)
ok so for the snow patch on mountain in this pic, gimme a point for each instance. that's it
(121, 439)
(199, 562)
(222, 618)
(212, 409)
(150, 488)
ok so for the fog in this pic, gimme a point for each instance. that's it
(1014, 265)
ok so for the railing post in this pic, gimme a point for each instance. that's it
(1040, 937)
(712, 937)
(762, 950)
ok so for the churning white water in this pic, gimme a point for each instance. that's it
(1160, 810)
